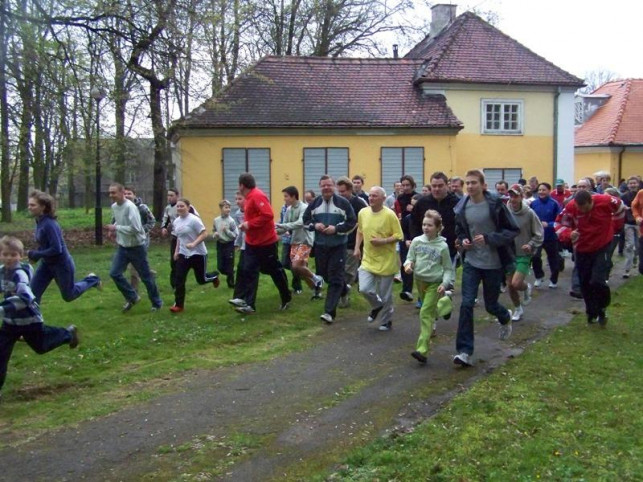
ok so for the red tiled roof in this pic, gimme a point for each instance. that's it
(617, 122)
(321, 92)
(473, 51)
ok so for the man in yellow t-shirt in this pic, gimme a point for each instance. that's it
(380, 230)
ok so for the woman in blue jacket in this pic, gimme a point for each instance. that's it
(55, 261)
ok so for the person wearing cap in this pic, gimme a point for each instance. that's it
(530, 238)
(430, 261)
(547, 209)
(560, 193)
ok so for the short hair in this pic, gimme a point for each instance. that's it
(291, 191)
(457, 179)
(475, 173)
(502, 181)
(522, 181)
(344, 181)
(325, 177)
(357, 176)
(583, 198)
(408, 177)
(174, 190)
(184, 201)
(533, 178)
(311, 192)
(612, 191)
(118, 186)
(439, 175)
(633, 178)
(546, 184)
(224, 202)
(46, 201)
(381, 190)
(247, 180)
(130, 188)
(12, 244)
(435, 216)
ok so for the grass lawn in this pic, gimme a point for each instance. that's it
(569, 408)
(67, 218)
(125, 358)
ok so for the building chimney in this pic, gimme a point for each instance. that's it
(441, 16)
(395, 53)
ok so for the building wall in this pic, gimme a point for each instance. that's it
(533, 151)
(200, 165)
(590, 160)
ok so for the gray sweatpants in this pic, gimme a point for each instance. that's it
(378, 291)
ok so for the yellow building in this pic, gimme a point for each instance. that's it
(465, 97)
(610, 135)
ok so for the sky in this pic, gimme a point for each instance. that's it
(579, 36)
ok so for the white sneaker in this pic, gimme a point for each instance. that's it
(504, 331)
(462, 359)
(538, 282)
(238, 302)
(518, 312)
(503, 288)
(327, 317)
(528, 293)
(553, 285)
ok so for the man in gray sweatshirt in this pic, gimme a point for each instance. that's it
(130, 240)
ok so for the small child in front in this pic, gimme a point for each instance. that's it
(19, 311)
(225, 232)
(429, 261)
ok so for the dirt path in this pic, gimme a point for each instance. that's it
(307, 408)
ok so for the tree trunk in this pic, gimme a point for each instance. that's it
(5, 159)
(161, 154)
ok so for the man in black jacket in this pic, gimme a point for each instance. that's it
(485, 231)
(441, 200)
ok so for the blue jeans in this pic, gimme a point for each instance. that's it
(137, 256)
(63, 272)
(40, 337)
(471, 278)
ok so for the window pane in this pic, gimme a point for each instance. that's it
(337, 162)
(259, 167)
(314, 168)
(391, 166)
(234, 163)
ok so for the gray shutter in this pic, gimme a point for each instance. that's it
(259, 167)
(391, 166)
(314, 168)
(512, 176)
(413, 165)
(491, 177)
(337, 164)
(234, 163)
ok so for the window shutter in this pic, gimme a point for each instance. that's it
(413, 165)
(337, 162)
(259, 167)
(234, 164)
(391, 166)
(314, 168)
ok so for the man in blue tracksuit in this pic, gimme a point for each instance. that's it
(547, 208)
(331, 217)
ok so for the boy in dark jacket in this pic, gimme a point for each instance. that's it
(20, 313)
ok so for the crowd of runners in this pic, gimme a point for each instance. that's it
(361, 242)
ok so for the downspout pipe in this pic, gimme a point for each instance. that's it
(555, 139)
(620, 165)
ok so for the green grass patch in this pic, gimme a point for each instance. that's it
(125, 358)
(568, 409)
(68, 219)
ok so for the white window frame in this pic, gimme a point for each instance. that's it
(504, 105)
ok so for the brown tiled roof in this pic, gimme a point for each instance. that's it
(315, 92)
(473, 51)
(617, 122)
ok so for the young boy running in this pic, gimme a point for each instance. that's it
(225, 232)
(20, 314)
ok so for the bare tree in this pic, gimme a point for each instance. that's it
(595, 78)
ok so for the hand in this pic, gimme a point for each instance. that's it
(357, 253)
(164, 232)
(244, 226)
(526, 248)
(575, 236)
(330, 230)
(215, 235)
(408, 243)
(544, 223)
(176, 256)
(408, 269)
(190, 245)
(441, 290)
(110, 228)
(639, 221)
(320, 227)
(379, 241)
(478, 239)
(466, 244)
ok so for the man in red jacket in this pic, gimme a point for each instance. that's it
(261, 254)
(590, 217)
